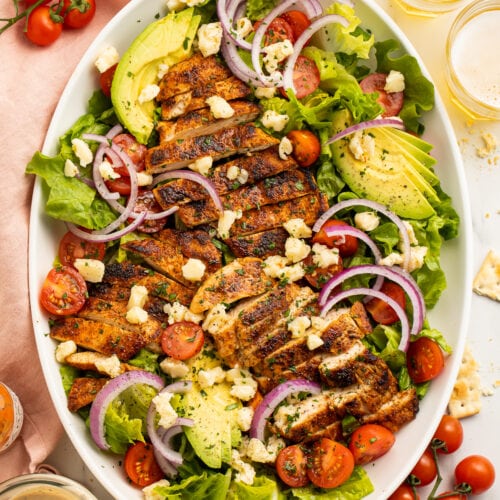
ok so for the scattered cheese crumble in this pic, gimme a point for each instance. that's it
(275, 53)
(215, 319)
(167, 414)
(226, 220)
(219, 107)
(174, 367)
(244, 418)
(273, 120)
(298, 326)
(395, 82)
(92, 270)
(70, 169)
(202, 165)
(208, 378)
(265, 92)
(136, 315)
(285, 148)
(82, 152)
(297, 228)
(296, 249)
(178, 312)
(324, 256)
(148, 93)
(138, 296)
(209, 38)
(107, 57)
(110, 366)
(366, 221)
(362, 146)
(314, 341)
(193, 270)
(64, 349)
(243, 27)
(149, 493)
(107, 171)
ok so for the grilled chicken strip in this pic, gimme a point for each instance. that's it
(197, 71)
(124, 275)
(230, 89)
(261, 245)
(258, 166)
(89, 361)
(203, 122)
(194, 244)
(285, 186)
(83, 391)
(308, 208)
(227, 142)
(114, 313)
(240, 279)
(96, 336)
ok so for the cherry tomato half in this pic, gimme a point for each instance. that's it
(72, 247)
(278, 31)
(182, 340)
(404, 492)
(306, 147)
(318, 276)
(424, 359)
(329, 463)
(291, 466)
(347, 245)
(133, 149)
(306, 77)
(141, 466)
(392, 102)
(381, 311)
(64, 291)
(450, 432)
(369, 442)
(476, 471)
(41, 28)
(425, 470)
(106, 80)
(78, 13)
(297, 20)
(146, 202)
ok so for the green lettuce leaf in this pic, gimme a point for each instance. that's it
(419, 91)
(126, 416)
(257, 9)
(263, 488)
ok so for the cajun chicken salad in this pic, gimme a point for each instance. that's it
(253, 234)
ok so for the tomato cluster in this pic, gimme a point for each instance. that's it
(46, 19)
(474, 474)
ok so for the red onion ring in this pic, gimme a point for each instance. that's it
(377, 122)
(302, 40)
(114, 131)
(226, 12)
(99, 183)
(405, 328)
(195, 177)
(167, 468)
(96, 138)
(273, 398)
(378, 207)
(109, 392)
(401, 278)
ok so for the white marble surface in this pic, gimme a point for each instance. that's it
(428, 35)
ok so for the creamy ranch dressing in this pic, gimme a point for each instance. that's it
(475, 59)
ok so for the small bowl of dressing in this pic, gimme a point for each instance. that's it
(43, 487)
(473, 64)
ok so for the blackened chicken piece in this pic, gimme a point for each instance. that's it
(83, 391)
(197, 71)
(227, 142)
(203, 122)
(258, 166)
(261, 245)
(272, 190)
(230, 89)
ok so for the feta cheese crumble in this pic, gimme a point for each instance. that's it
(193, 270)
(209, 38)
(219, 107)
(108, 57)
(273, 120)
(92, 270)
(82, 152)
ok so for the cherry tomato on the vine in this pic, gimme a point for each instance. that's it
(476, 471)
(404, 492)
(141, 466)
(424, 359)
(369, 442)
(306, 147)
(450, 432)
(43, 26)
(78, 13)
(425, 469)
(291, 466)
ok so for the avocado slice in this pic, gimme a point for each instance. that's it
(166, 41)
(215, 430)
(418, 142)
(389, 177)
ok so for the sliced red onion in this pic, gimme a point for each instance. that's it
(96, 137)
(302, 40)
(195, 177)
(226, 12)
(99, 182)
(273, 398)
(114, 131)
(378, 207)
(377, 122)
(109, 392)
(405, 328)
(104, 238)
(236, 64)
(404, 280)
(157, 435)
(167, 468)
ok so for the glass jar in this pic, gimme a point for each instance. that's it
(11, 417)
(473, 65)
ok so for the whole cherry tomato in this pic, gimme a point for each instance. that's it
(477, 472)
(78, 13)
(450, 432)
(43, 26)
(425, 470)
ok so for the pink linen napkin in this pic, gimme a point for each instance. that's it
(31, 81)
